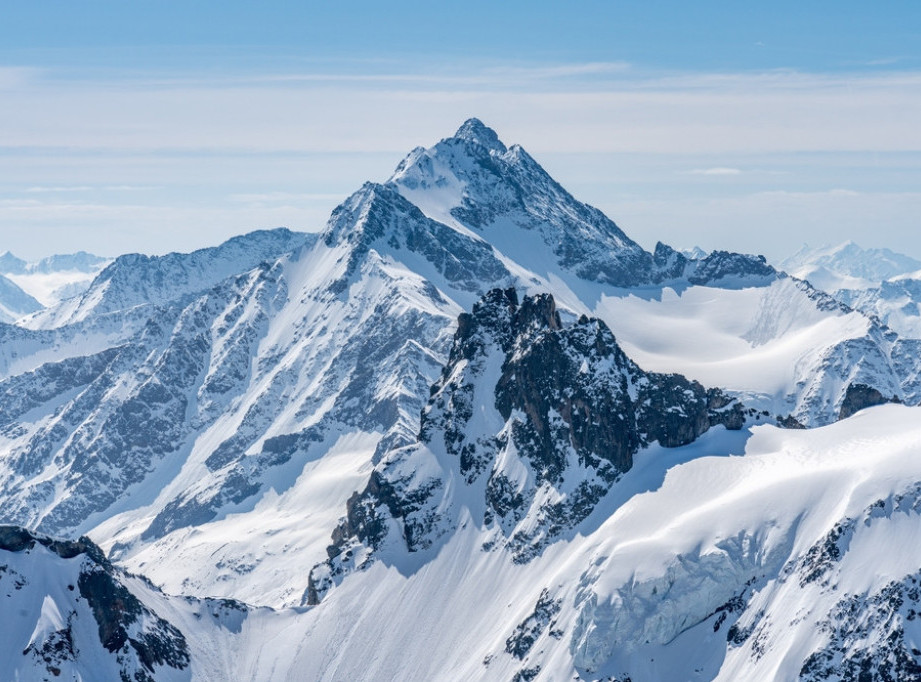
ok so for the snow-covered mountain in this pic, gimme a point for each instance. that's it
(70, 614)
(14, 302)
(474, 403)
(848, 266)
(54, 278)
(529, 426)
(135, 279)
(878, 282)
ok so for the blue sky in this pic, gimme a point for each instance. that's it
(157, 126)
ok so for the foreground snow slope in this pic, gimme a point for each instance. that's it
(727, 559)
(762, 554)
(752, 555)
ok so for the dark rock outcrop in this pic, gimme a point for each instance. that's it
(18, 539)
(575, 411)
(140, 641)
(861, 396)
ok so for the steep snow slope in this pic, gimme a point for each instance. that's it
(783, 347)
(68, 614)
(761, 554)
(878, 282)
(797, 560)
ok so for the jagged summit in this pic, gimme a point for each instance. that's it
(474, 130)
(475, 184)
(537, 418)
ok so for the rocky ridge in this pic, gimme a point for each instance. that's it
(89, 624)
(539, 418)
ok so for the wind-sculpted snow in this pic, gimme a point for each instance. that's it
(786, 347)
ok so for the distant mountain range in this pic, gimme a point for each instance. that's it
(878, 282)
(27, 287)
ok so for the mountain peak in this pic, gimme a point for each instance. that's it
(474, 130)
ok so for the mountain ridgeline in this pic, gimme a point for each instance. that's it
(538, 418)
(471, 402)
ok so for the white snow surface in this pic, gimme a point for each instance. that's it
(760, 342)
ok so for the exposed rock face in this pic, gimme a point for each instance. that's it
(539, 417)
(669, 264)
(378, 216)
(129, 629)
(18, 539)
(723, 264)
(139, 642)
(861, 396)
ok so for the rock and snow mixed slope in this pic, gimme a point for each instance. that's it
(69, 614)
(529, 426)
(134, 279)
(752, 555)
(218, 420)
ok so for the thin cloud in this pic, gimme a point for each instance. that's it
(631, 112)
(886, 61)
(719, 170)
(55, 190)
(437, 76)
(278, 197)
(44, 189)
(17, 76)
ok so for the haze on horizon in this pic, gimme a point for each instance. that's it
(165, 127)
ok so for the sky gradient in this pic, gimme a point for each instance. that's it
(165, 126)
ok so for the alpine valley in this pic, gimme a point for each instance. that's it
(469, 431)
